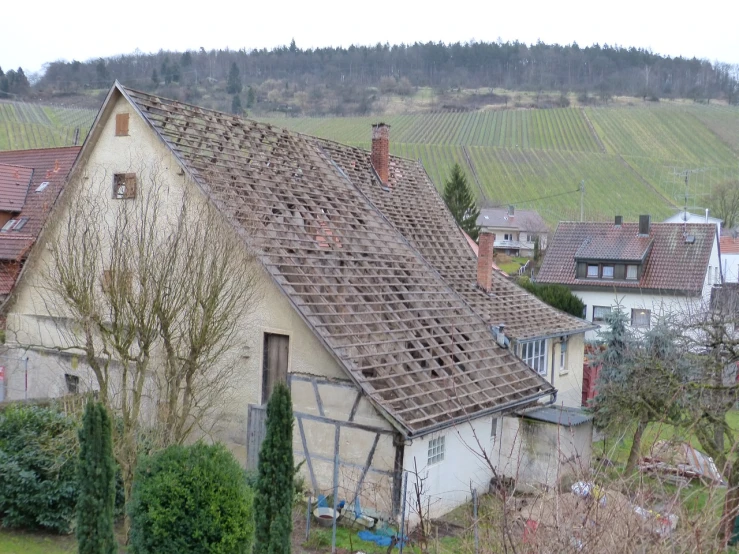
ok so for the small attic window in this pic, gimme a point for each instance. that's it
(121, 125)
(8, 226)
(690, 239)
(124, 186)
(42, 186)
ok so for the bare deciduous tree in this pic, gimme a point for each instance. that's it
(152, 292)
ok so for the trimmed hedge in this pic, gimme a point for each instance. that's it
(191, 499)
(38, 465)
(558, 296)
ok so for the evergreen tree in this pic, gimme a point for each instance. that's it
(155, 77)
(461, 202)
(234, 85)
(537, 249)
(236, 105)
(96, 482)
(274, 490)
(251, 97)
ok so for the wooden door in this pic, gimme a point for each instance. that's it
(274, 367)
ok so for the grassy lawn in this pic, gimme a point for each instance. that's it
(618, 450)
(511, 268)
(19, 542)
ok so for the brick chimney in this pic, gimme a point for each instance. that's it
(485, 260)
(381, 151)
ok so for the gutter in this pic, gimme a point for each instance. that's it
(506, 408)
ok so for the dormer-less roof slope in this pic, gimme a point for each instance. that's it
(415, 208)
(672, 263)
(522, 220)
(50, 165)
(14, 182)
(413, 345)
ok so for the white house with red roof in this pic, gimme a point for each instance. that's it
(649, 269)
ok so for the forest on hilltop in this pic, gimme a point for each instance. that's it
(354, 76)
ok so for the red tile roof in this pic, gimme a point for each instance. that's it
(48, 165)
(14, 181)
(729, 245)
(672, 264)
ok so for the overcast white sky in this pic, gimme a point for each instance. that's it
(42, 31)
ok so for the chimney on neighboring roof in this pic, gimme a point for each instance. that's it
(511, 211)
(486, 242)
(644, 222)
(619, 220)
(381, 151)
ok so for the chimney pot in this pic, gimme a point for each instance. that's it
(486, 242)
(381, 151)
(619, 220)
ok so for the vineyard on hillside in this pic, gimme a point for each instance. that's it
(631, 158)
(24, 125)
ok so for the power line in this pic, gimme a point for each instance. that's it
(545, 197)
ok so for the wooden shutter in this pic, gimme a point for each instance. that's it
(582, 269)
(130, 186)
(274, 368)
(121, 124)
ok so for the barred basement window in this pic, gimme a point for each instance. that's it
(436, 450)
(534, 354)
(73, 383)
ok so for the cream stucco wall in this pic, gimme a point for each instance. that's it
(567, 378)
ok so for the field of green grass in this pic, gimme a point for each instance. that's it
(24, 125)
(630, 155)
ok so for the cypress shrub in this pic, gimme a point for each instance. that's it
(191, 499)
(275, 489)
(97, 490)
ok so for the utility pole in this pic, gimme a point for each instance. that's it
(582, 200)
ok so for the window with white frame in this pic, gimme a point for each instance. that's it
(593, 271)
(600, 312)
(563, 356)
(534, 353)
(632, 272)
(710, 274)
(607, 272)
(507, 236)
(641, 318)
(436, 450)
(494, 430)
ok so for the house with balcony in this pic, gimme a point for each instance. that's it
(516, 232)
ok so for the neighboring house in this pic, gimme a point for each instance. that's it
(649, 269)
(515, 231)
(375, 309)
(30, 182)
(729, 245)
(684, 216)
(476, 250)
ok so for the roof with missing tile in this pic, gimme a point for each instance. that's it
(47, 165)
(373, 295)
(676, 255)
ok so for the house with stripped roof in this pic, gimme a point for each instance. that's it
(649, 269)
(403, 350)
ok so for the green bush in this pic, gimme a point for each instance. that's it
(38, 464)
(189, 499)
(557, 296)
